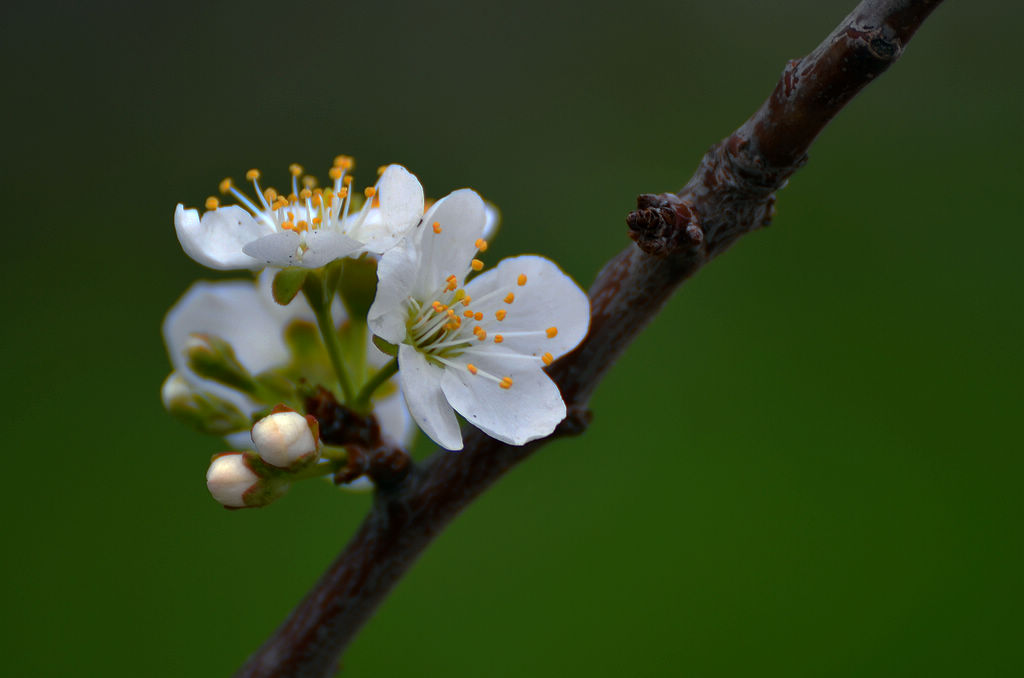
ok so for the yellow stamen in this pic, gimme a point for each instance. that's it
(522, 279)
(547, 358)
(225, 185)
(479, 317)
(305, 194)
(481, 335)
(468, 314)
(302, 226)
(506, 383)
(212, 203)
(252, 175)
(335, 173)
(288, 226)
(380, 170)
(465, 302)
(472, 368)
(552, 332)
(477, 265)
(481, 244)
(343, 193)
(270, 194)
(347, 180)
(370, 191)
(498, 338)
(308, 181)
(509, 298)
(437, 227)
(344, 162)
(500, 315)
(295, 169)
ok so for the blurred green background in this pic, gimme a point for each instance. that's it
(808, 465)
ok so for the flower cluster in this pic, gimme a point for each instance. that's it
(391, 284)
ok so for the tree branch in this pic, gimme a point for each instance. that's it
(731, 193)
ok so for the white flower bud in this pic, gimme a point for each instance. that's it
(286, 439)
(175, 391)
(229, 479)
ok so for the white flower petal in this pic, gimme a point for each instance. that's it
(460, 217)
(240, 440)
(396, 273)
(401, 199)
(217, 239)
(395, 423)
(277, 249)
(421, 386)
(491, 222)
(327, 245)
(549, 298)
(530, 409)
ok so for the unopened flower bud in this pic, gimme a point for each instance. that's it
(234, 484)
(175, 392)
(287, 439)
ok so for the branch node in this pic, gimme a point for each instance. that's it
(664, 224)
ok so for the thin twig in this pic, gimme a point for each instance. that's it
(731, 193)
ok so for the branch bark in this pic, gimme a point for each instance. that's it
(731, 193)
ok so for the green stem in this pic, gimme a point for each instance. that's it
(362, 401)
(332, 342)
(316, 470)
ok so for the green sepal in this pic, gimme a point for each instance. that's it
(212, 358)
(209, 414)
(385, 346)
(333, 273)
(287, 283)
(358, 286)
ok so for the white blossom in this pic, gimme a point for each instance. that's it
(310, 227)
(479, 348)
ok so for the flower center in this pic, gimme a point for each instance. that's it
(447, 330)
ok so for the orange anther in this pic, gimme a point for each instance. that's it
(478, 317)
(225, 185)
(212, 203)
(498, 338)
(252, 175)
(471, 367)
(476, 265)
(335, 173)
(481, 335)
(506, 382)
(437, 227)
(481, 244)
(521, 280)
(295, 169)
(500, 315)
(547, 358)
(370, 191)
(465, 302)
(509, 298)
(468, 314)
(552, 332)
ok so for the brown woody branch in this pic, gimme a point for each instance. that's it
(731, 193)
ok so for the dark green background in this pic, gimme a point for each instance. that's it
(809, 464)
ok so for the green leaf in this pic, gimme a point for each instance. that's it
(288, 282)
